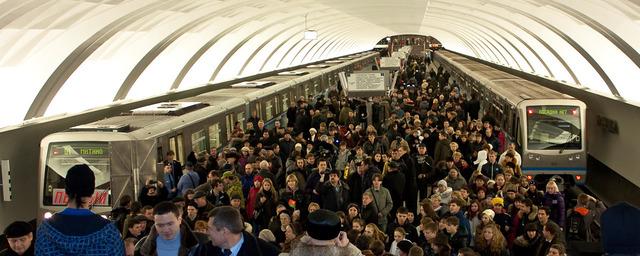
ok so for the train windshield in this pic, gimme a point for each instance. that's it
(62, 156)
(553, 128)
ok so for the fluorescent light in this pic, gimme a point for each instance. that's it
(310, 35)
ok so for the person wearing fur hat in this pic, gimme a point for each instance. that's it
(75, 230)
(323, 237)
(19, 236)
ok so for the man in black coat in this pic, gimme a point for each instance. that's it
(411, 186)
(228, 237)
(394, 181)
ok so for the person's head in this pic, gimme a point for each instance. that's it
(487, 216)
(171, 155)
(79, 185)
(147, 212)
(292, 231)
(200, 198)
(479, 181)
(136, 225)
(267, 185)
(353, 210)
(377, 181)
(552, 187)
(367, 198)
(285, 218)
(358, 225)
(313, 207)
(401, 215)
(492, 156)
(430, 231)
(556, 250)
(531, 230)
(543, 214)
(236, 200)
(371, 230)
(19, 236)
(166, 216)
(323, 225)
(489, 232)
(334, 177)
(399, 234)
(299, 162)
(454, 205)
(377, 247)
(257, 181)
(192, 210)
(292, 181)
(453, 173)
(550, 230)
(452, 224)
(248, 169)
(225, 226)
(322, 165)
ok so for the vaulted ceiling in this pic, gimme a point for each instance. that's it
(64, 56)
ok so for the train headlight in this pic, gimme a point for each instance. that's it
(47, 215)
(578, 156)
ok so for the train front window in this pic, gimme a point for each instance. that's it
(62, 156)
(553, 128)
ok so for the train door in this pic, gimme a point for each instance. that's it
(268, 109)
(199, 141)
(214, 136)
(229, 125)
(240, 118)
(176, 144)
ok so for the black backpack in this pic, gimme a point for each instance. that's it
(576, 227)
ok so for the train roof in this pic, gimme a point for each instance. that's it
(512, 88)
(152, 120)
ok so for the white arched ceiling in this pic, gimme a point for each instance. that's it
(69, 55)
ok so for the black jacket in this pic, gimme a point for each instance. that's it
(252, 246)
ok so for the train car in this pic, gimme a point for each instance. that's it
(547, 126)
(125, 151)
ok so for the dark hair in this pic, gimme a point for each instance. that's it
(457, 201)
(171, 153)
(363, 242)
(377, 247)
(466, 251)
(559, 247)
(551, 228)
(215, 183)
(546, 209)
(125, 200)
(166, 207)
(402, 210)
(227, 217)
(453, 220)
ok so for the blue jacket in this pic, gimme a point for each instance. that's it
(78, 232)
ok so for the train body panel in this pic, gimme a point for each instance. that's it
(548, 126)
(126, 150)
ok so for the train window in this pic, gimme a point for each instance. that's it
(259, 109)
(276, 103)
(306, 91)
(160, 155)
(229, 123)
(214, 136)
(268, 107)
(199, 141)
(240, 119)
(63, 155)
(285, 101)
(553, 128)
(175, 145)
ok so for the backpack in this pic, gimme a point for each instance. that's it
(576, 230)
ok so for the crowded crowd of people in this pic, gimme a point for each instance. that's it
(429, 176)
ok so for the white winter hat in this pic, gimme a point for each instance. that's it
(442, 183)
(489, 212)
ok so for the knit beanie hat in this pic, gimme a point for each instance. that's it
(489, 212)
(80, 181)
(18, 229)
